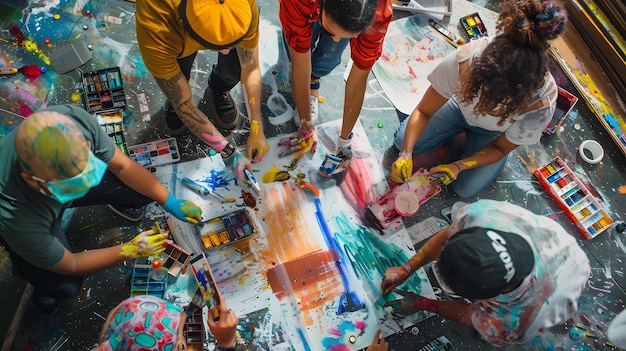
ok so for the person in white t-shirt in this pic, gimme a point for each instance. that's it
(499, 92)
(518, 273)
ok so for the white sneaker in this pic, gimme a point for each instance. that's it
(313, 100)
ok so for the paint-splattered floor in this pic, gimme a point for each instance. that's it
(109, 27)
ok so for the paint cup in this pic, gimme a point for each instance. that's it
(591, 151)
(406, 203)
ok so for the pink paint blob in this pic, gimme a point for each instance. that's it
(215, 141)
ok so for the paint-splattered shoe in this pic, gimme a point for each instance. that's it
(338, 162)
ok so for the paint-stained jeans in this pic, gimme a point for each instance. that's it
(446, 123)
(325, 52)
(110, 191)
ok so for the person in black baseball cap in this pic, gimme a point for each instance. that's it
(479, 263)
(515, 273)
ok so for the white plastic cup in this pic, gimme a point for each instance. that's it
(593, 148)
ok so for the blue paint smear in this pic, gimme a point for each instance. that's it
(349, 301)
(304, 343)
(344, 328)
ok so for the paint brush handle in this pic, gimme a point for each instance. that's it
(8, 70)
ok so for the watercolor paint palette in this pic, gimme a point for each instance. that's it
(473, 26)
(384, 209)
(112, 123)
(155, 153)
(143, 284)
(175, 259)
(103, 89)
(574, 198)
(564, 104)
(227, 229)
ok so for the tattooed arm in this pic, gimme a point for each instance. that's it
(257, 145)
(178, 93)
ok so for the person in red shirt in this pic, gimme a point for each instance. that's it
(316, 33)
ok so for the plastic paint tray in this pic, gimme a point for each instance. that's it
(564, 104)
(473, 26)
(574, 198)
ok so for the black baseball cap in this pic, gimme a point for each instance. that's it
(481, 263)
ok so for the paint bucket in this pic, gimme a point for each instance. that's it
(406, 203)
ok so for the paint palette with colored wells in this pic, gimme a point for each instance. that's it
(103, 89)
(227, 229)
(384, 209)
(112, 123)
(174, 259)
(155, 153)
(574, 198)
(473, 26)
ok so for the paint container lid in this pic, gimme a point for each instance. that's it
(406, 203)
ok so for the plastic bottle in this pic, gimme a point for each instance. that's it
(156, 273)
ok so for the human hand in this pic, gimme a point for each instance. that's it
(147, 243)
(300, 143)
(411, 303)
(379, 344)
(393, 277)
(257, 146)
(225, 327)
(183, 209)
(402, 169)
(237, 162)
(446, 173)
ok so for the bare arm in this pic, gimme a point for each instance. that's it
(300, 82)
(455, 310)
(430, 103)
(489, 154)
(430, 251)
(88, 262)
(251, 79)
(178, 93)
(353, 99)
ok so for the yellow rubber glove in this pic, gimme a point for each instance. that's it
(257, 146)
(402, 169)
(445, 172)
(146, 243)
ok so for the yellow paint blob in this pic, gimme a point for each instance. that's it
(76, 96)
(320, 99)
(470, 163)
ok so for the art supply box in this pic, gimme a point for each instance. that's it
(574, 198)
(103, 90)
(227, 229)
(564, 104)
(473, 26)
(112, 123)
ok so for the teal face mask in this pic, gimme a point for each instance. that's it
(76, 187)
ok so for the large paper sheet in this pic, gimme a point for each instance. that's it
(316, 266)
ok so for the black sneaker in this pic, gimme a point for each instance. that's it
(227, 114)
(45, 305)
(173, 124)
(133, 214)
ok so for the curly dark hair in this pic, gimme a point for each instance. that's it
(513, 66)
(352, 15)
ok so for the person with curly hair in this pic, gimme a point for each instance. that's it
(499, 92)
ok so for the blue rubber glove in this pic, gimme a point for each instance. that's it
(183, 209)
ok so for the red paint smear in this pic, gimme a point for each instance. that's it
(357, 186)
(32, 71)
(16, 31)
(335, 332)
(339, 347)
(360, 325)
(412, 73)
(24, 110)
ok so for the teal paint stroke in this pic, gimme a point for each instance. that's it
(370, 257)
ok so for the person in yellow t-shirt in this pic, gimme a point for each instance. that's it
(170, 33)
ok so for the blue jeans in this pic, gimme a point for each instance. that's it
(446, 123)
(325, 52)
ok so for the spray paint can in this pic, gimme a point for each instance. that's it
(195, 186)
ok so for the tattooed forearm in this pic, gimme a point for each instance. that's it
(246, 56)
(179, 95)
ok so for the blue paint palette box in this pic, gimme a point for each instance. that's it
(574, 198)
(155, 153)
(143, 284)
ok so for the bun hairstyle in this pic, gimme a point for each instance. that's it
(512, 67)
(532, 22)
